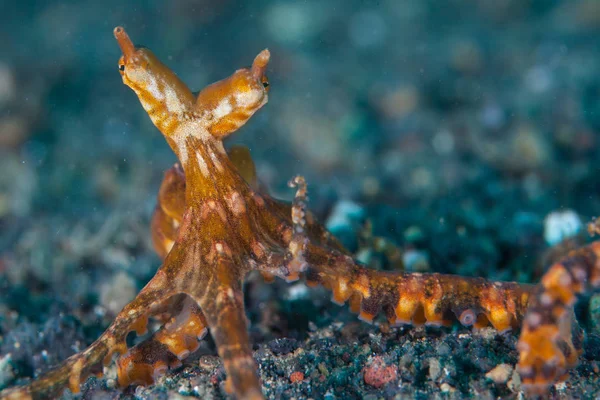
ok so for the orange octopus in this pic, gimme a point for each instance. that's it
(212, 227)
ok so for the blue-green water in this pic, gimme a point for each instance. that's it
(468, 123)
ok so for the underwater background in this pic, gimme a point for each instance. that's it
(464, 132)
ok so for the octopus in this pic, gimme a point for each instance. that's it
(213, 226)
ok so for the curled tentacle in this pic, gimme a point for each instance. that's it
(547, 345)
(296, 264)
(166, 348)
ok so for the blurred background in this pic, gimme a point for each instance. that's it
(463, 132)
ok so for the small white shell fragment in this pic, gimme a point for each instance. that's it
(560, 225)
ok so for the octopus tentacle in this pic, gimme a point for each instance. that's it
(168, 212)
(547, 345)
(163, 229)
(416, 298)
(73, 371)
(166, 348)
(296, 263)
(212, 226)
(171, 194)
(403, 297)
(222, 303)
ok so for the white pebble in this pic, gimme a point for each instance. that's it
(500, 373)
(560, 225)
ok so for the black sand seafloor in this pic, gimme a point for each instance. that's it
(467, 133)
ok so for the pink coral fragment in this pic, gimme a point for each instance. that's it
(378, 374)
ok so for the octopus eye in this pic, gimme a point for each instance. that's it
(122, 67)
(265, 82)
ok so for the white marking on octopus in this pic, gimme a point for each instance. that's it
(183, 130)
(219, 209)
(179, 140)
(230, 293)
(152, 87)
(247, 99)
(223, 248)
(216, 161)
(173, 101)
(214, 206)
(202, 164)
(222, 109)
(236, 203)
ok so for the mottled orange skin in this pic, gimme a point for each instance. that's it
(212, 227)
(550, 341)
